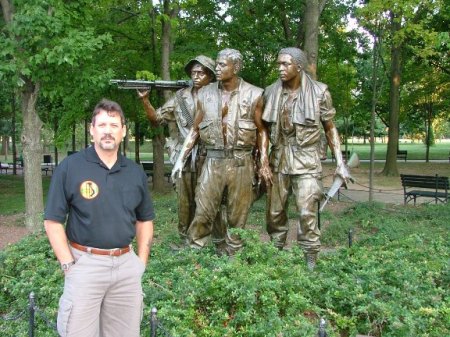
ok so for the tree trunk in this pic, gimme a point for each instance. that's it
(313, 9)
(390, 167)
(55, 131)
(137, 141)
(5, 145)
(159, 140)
(87, 135)
(429, 112)
(372, 116)
(32, 157)
(14, 132)
(74, 141)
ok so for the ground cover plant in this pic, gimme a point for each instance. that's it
(392, 281)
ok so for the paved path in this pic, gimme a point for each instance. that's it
(391, 197)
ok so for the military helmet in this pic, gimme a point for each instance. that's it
(205, 61)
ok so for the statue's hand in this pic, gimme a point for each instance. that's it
(143, 93)
(266, 174)
(176, 171)
(343, 172)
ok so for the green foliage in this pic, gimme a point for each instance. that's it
(393, 281)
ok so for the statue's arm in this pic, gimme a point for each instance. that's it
(148, 107)
(188, 144)
(263, 144)
(334, 143)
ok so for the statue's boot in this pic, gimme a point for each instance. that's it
(224, 249)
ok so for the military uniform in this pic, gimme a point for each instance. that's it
(179, 113)
(229, 166)
(295, 158)
(180, 122)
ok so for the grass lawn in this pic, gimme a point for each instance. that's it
(439, 151)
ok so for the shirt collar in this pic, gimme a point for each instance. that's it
(92, 156)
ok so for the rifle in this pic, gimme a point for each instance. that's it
(146, 85)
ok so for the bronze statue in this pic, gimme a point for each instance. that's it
(179, 113)
(229, 124)
(294, 107)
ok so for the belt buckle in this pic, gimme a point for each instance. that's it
(113, 251)
(89, 250)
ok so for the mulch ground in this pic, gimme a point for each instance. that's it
(11, 230)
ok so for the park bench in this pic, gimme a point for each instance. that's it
(148, 169)
(4, 167)
(402, 154)
(428, 186)
(47, 165)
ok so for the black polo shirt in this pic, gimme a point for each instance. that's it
(101, 204)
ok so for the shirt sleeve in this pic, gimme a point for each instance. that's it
(166, 113)
(57, 207)
(145, 210)
(327, 111)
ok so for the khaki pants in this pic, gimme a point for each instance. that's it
(307, 192)
(102, 296)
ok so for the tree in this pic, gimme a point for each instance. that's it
(38, 63)
(169, 13)
(407, 29)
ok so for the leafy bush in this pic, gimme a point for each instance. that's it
(393, 280)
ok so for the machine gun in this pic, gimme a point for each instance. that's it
(147, 85)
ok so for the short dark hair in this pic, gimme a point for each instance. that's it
(110, 107)
(298, 55)
(234, 55)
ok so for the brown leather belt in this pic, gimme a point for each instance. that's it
(98, 251)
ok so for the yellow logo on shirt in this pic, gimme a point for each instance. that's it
(88, 189)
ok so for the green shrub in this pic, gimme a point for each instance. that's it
(393, 281)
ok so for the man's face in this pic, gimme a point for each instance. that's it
(287, 67)
(107, 130)
(200, 77)
(225, 69)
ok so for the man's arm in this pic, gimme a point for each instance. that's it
(144, 239)
(263, 144)
(58, 240)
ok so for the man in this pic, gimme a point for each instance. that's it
(229, 124)
(179, 113)
(106, 198)
(295, 106)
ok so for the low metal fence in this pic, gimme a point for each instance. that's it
(33, 310)
(156, 327)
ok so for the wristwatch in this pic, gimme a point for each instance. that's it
(66, 266)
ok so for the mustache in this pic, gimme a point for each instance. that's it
(108, 137)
